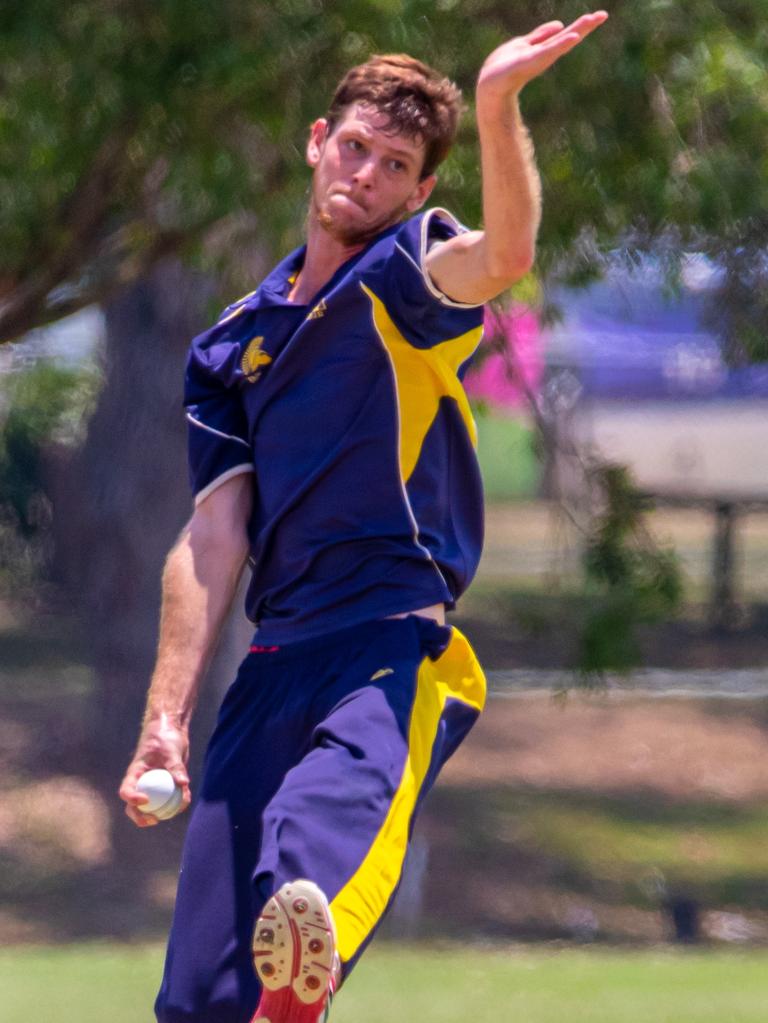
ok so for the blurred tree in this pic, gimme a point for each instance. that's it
(137, 139)
(119, 502)
(45, 406)
(128, 132)
(629, 579)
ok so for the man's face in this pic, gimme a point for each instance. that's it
(365, 178)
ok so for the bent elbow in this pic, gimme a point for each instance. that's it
(509, 266)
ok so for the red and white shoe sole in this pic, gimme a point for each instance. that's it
(294, 954)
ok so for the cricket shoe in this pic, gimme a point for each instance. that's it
(294, 955)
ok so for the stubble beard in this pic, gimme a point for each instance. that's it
(351, 236)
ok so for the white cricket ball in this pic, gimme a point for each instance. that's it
(164, 794)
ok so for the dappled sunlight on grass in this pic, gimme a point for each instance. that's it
(703, 843)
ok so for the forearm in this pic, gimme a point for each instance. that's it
(199, 582)
(478, 265)
(511, 189)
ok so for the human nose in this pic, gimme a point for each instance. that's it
(365, 174)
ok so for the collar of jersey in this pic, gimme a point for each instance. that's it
(276, 285)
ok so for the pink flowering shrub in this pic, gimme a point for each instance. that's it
(515, 331)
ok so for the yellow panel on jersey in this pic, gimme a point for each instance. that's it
(423, 376)
(455, 675)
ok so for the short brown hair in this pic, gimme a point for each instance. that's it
(418, 101)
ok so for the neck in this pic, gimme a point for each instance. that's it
(324, 255)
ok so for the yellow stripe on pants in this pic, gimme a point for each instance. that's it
(358, 907)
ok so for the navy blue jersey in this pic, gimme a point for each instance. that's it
(350, 413)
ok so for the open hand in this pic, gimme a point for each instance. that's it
(513, 64)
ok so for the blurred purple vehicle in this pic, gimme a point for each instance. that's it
(624, 338)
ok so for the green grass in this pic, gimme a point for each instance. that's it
(91, 984)
(715, 848)
(607, 845)
(703, 842)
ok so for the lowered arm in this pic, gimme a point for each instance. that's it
(199, 581)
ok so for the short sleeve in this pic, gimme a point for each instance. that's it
(421, 312)
(218, 444)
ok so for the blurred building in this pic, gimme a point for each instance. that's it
(630, 372)
(639, 376)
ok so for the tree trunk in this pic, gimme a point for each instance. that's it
(123, 501)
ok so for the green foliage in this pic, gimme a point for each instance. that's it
(628, 579)
(44, 404)
(127, 131)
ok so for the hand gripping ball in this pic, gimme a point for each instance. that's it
(164, 794)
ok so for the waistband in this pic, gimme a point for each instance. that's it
(431, 634)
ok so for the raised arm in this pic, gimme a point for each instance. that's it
(478, 265)
(199, 581)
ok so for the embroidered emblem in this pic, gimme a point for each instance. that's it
(318, 311)
(254, 360)
(381, 673)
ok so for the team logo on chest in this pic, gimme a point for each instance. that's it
(254, 360)
(318, 311)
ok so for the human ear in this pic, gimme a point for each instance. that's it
(421, 193)
(318, 133)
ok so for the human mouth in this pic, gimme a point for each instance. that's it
(348, 197)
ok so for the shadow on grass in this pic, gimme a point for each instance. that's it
(505, 860)
(544, 852)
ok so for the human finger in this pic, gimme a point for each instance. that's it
(179, 774)
(573, 33)
(544, 31)
(141, 820)
(548, 52)
(551, 49)
(128, 791)
(587, 23)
